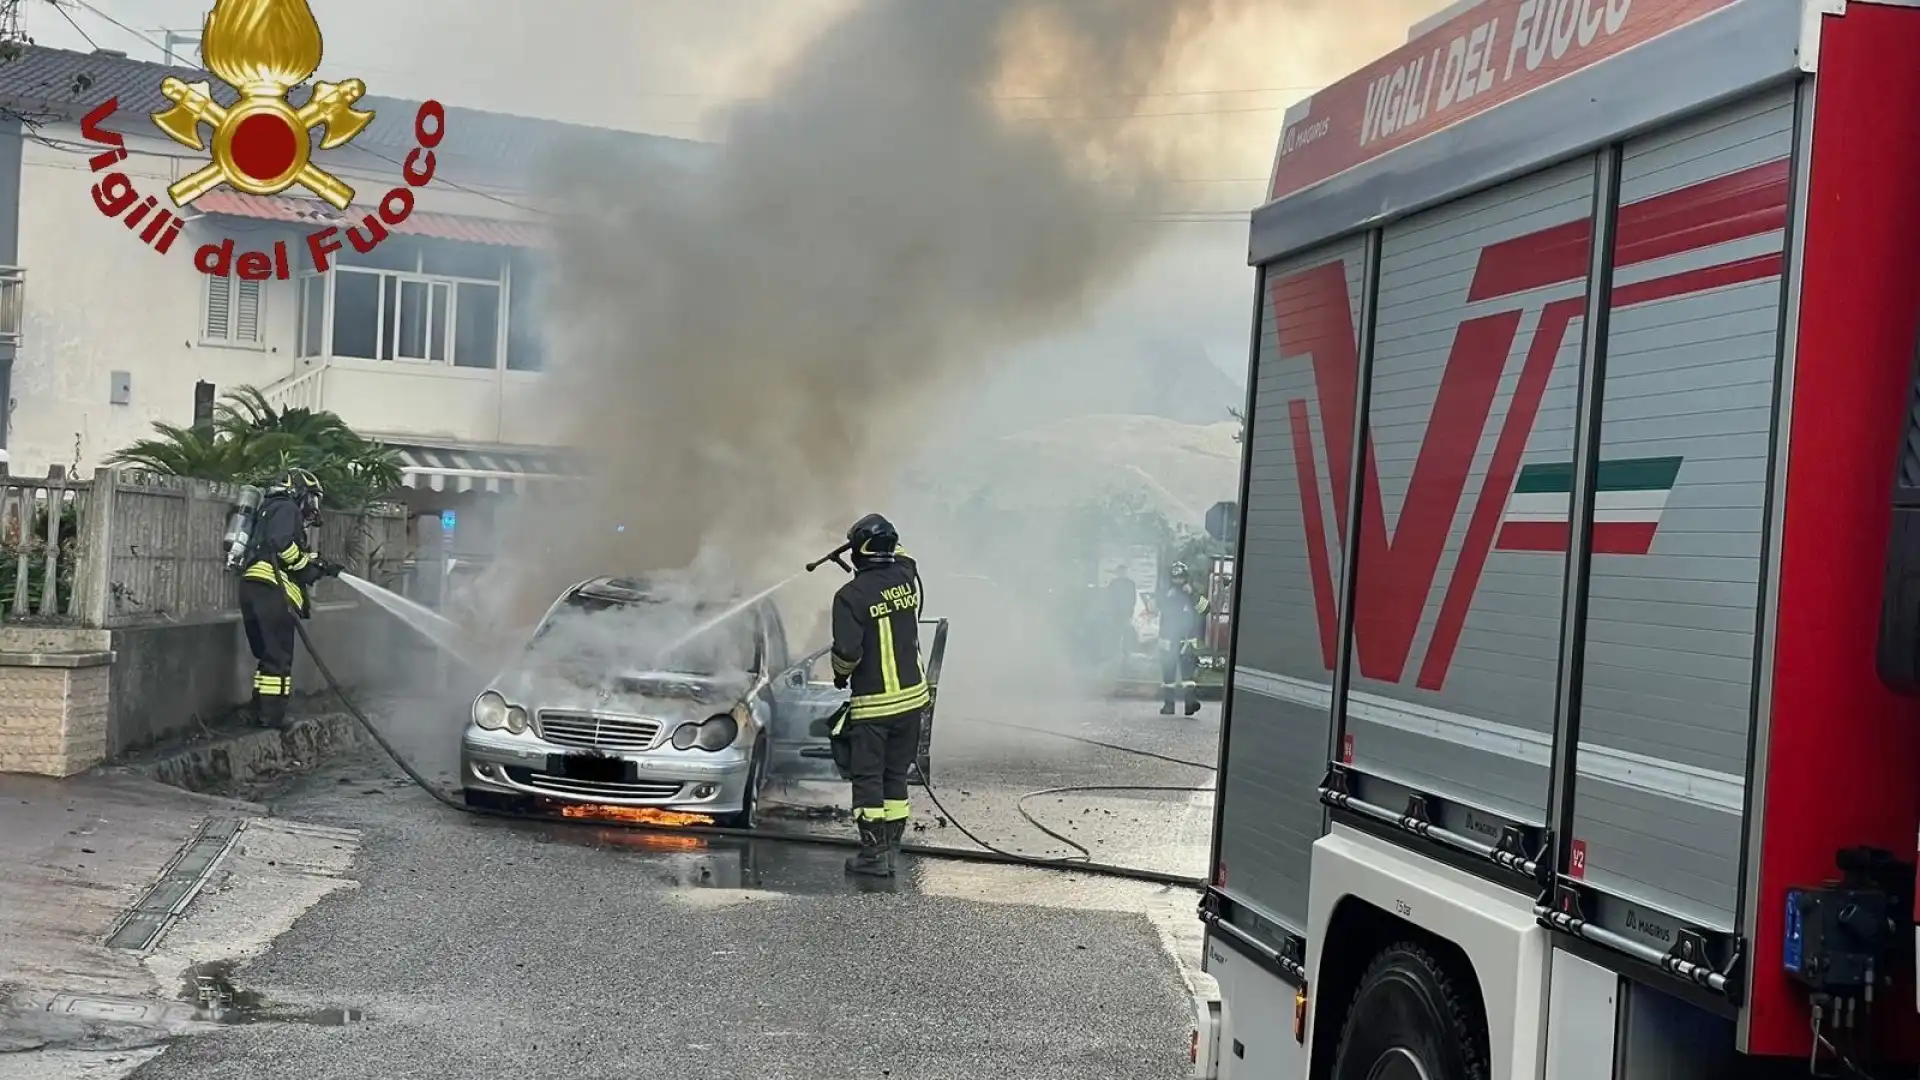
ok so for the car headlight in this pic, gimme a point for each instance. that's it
(717, 733)
(713, 733)
(517, 721)
(490, 711)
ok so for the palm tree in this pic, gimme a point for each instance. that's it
(249, 441)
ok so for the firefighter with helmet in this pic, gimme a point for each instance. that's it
(876, 655)
(281, 566)
(1182, 611)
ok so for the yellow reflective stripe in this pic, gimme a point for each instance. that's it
(868, 813)
(273, 685)
(877, 706)
(895, 810)
(264, 571)
(1200, 606)
(840, 723)
(293, 558)
(843, 666)
(918, 690)
(889, 664)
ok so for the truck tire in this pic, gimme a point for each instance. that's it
(1409, 1020)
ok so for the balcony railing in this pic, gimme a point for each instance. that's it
(301, 390)
(13, 299)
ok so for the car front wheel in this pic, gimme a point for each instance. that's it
(1411, 1020)
(749, 815)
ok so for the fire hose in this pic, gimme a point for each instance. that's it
(1082, 862)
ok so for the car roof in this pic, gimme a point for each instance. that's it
(650, 589)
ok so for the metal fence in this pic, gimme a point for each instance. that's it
(128, 548)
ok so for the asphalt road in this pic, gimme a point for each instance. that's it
(480, 948)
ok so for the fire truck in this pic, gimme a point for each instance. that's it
(1571, 727)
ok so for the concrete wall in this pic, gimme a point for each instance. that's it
(71, 699)
(168, 681)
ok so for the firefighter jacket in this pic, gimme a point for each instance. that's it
(876, 640)
(280, 551)
(1182, 610)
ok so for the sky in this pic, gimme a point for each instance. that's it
(673, 67)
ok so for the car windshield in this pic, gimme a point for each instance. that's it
(601, 637)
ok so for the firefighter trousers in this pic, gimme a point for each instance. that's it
(269, 621)
(1179, 672)
(883, 749)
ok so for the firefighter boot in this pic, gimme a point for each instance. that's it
(1193, 701)
(1166, 703)
(875, 858)
(257, 711)
(273, 712)
(896, 835)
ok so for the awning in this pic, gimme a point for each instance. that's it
(314, 214)
(428, 468)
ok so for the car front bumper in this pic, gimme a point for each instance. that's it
(693, 781)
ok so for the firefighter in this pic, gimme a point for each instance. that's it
(1181, 612)
(281, 567)
(876, 654)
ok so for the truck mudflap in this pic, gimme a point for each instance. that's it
(1203, 1050)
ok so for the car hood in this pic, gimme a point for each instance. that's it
(666, 695)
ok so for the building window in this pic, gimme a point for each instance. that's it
(232, 312)
(434, 303)
(313, 316)
(524, 303)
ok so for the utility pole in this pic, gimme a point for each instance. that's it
(178, 37)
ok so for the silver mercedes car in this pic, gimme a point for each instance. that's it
(636, 698)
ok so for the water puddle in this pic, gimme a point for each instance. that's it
(768, 866)
(217, 1000)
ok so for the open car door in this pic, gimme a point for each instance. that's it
(805, 703)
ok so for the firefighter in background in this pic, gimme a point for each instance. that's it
(1182, 612)
(1122, 597)
(281, 566)
(876, 653)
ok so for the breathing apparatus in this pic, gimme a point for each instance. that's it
(238, 543)
(240, 526)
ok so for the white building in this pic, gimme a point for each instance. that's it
(431, 342)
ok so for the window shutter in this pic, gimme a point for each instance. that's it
(246, 313)
(219, 324)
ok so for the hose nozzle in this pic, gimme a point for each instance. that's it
(833, 557)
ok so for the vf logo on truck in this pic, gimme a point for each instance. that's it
(1313, 315)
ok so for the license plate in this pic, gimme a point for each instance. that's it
(594, 768)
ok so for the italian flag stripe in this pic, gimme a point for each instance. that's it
(1628, 499)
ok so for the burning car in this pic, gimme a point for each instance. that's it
(635, 699)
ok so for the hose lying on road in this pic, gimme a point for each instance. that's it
(1081, 864)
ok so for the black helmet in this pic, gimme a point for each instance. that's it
(874, 539)
(303, 488)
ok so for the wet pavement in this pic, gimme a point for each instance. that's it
(478, 947)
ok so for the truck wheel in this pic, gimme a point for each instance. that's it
(1410, 1021)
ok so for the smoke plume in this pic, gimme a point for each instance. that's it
(754, 343)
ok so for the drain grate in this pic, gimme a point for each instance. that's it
(145, 921)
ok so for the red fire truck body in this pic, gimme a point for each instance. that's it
(1583, 354)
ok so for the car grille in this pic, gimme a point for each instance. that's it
(591, 789)
(598, 732)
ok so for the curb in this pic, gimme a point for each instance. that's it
(248, 759)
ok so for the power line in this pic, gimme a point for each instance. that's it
(84, 5)
(88, 38)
